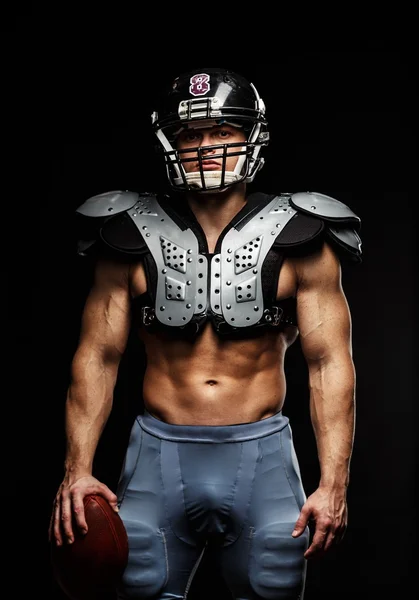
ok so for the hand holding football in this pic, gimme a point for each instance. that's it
(90, 567)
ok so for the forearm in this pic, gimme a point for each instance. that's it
(88, 406)
(332, 409)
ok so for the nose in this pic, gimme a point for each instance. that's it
(205, 150)
(206, 141)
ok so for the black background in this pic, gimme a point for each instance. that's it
(341, 123)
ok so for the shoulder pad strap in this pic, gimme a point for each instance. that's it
(108, 204)
(324, 207)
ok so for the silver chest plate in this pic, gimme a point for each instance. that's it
(230, 285)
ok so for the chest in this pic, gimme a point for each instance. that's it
(285, 282)
(235, 282)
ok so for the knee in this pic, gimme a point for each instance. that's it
(277, 565)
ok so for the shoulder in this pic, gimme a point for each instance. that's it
(111, 271)
(319, 216)
(321, 268)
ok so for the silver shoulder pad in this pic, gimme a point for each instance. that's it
(348, 238)
(324, 206)
(108, 203)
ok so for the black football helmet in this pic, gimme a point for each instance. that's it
(206, 97)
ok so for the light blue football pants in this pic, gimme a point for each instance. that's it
(234, 491)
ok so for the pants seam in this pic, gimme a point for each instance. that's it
(284, 464)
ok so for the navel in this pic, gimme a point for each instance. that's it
(211, 382)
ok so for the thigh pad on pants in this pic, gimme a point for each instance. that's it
(277, 561)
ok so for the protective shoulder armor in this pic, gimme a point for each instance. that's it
(107, 204)
(342, 224)
(105, 217)
(325, 207)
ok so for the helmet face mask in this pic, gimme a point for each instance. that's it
(209, 98)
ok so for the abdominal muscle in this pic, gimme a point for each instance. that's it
(210, 380)
(213, 381)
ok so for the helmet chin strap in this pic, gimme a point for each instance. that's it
(212, 180)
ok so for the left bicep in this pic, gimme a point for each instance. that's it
(323, 313)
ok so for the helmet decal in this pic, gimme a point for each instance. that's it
(199, 84)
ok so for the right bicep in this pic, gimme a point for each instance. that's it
(106, 315)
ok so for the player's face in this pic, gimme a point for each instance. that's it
(190, 139)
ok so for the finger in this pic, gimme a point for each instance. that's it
(57, 522)
(301, 523)
(79, 514)
(339, 534)
(77, 500)
(330, 538)
(66, 518)
(112, 499)
(317, 545)
(108, 494)
(51, 522)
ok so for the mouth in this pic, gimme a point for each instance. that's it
(209, 165)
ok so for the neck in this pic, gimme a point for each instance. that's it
(214, 211)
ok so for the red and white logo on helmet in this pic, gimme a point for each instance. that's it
(199, 84)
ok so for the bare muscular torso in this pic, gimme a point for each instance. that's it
(214, 381)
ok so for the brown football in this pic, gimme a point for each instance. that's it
(90, 567)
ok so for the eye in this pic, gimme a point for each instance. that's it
(188, 137)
